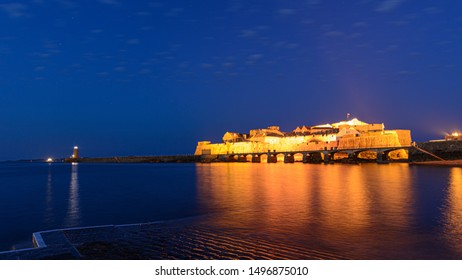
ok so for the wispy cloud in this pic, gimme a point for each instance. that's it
(110, 2)
(360, 24)
(247, 33)
(133, 41)
(119, 69)
(67, 4)
(334, 34)
(255, 56)
(174, 12)
(228, 64)
(252, 59)
(14, 9)
(388, 5)
(206, 65)
(433, 10)
(286, 12)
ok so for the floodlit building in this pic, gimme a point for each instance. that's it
(455, 136)
(350, 134)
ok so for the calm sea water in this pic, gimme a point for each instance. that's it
(366, 211)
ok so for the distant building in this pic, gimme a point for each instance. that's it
(455, 136)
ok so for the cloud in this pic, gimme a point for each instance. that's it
(133, 42)
(333, 34)
(119, 69)
(174, 12)
(255, 56)
(67, 4)
(247, 33)
(360, 24)
(206, 65)
(14, 9)
(143, 14)
(388, 5)
(286, 12)
(432, 10)
(252, 59)
(228, 64)
(399, 22)
(405, 72)
(392, 47)
(156, 5)
(313, 2)
(110, 2)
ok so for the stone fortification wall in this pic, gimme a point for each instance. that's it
(391, 138)
(448, 150)
(379, 139)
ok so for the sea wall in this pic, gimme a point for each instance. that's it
(448, 150)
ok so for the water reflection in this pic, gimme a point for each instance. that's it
(49, 217)
(335, 206)
(73, 208)
(453, 211)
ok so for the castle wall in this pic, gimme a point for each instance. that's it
(375, 139)
(387, 138)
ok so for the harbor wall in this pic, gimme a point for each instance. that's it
(138, 159)
(448, 150)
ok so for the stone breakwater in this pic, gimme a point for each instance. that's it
(138, 159)
(448, 150)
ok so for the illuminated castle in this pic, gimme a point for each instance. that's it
(352, 136)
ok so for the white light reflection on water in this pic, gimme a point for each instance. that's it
(73, 209)
(49, 215)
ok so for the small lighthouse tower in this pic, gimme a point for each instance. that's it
(76, 152)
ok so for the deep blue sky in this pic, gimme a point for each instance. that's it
(119, 77)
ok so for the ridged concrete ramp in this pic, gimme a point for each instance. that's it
(159, 241)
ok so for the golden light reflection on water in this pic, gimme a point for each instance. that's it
(453, 211)
(330, 204)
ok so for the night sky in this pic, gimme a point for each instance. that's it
(119, 77)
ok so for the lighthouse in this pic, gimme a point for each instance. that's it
(76, 152)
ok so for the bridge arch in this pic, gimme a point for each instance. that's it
(298, 157)
(264, 157)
